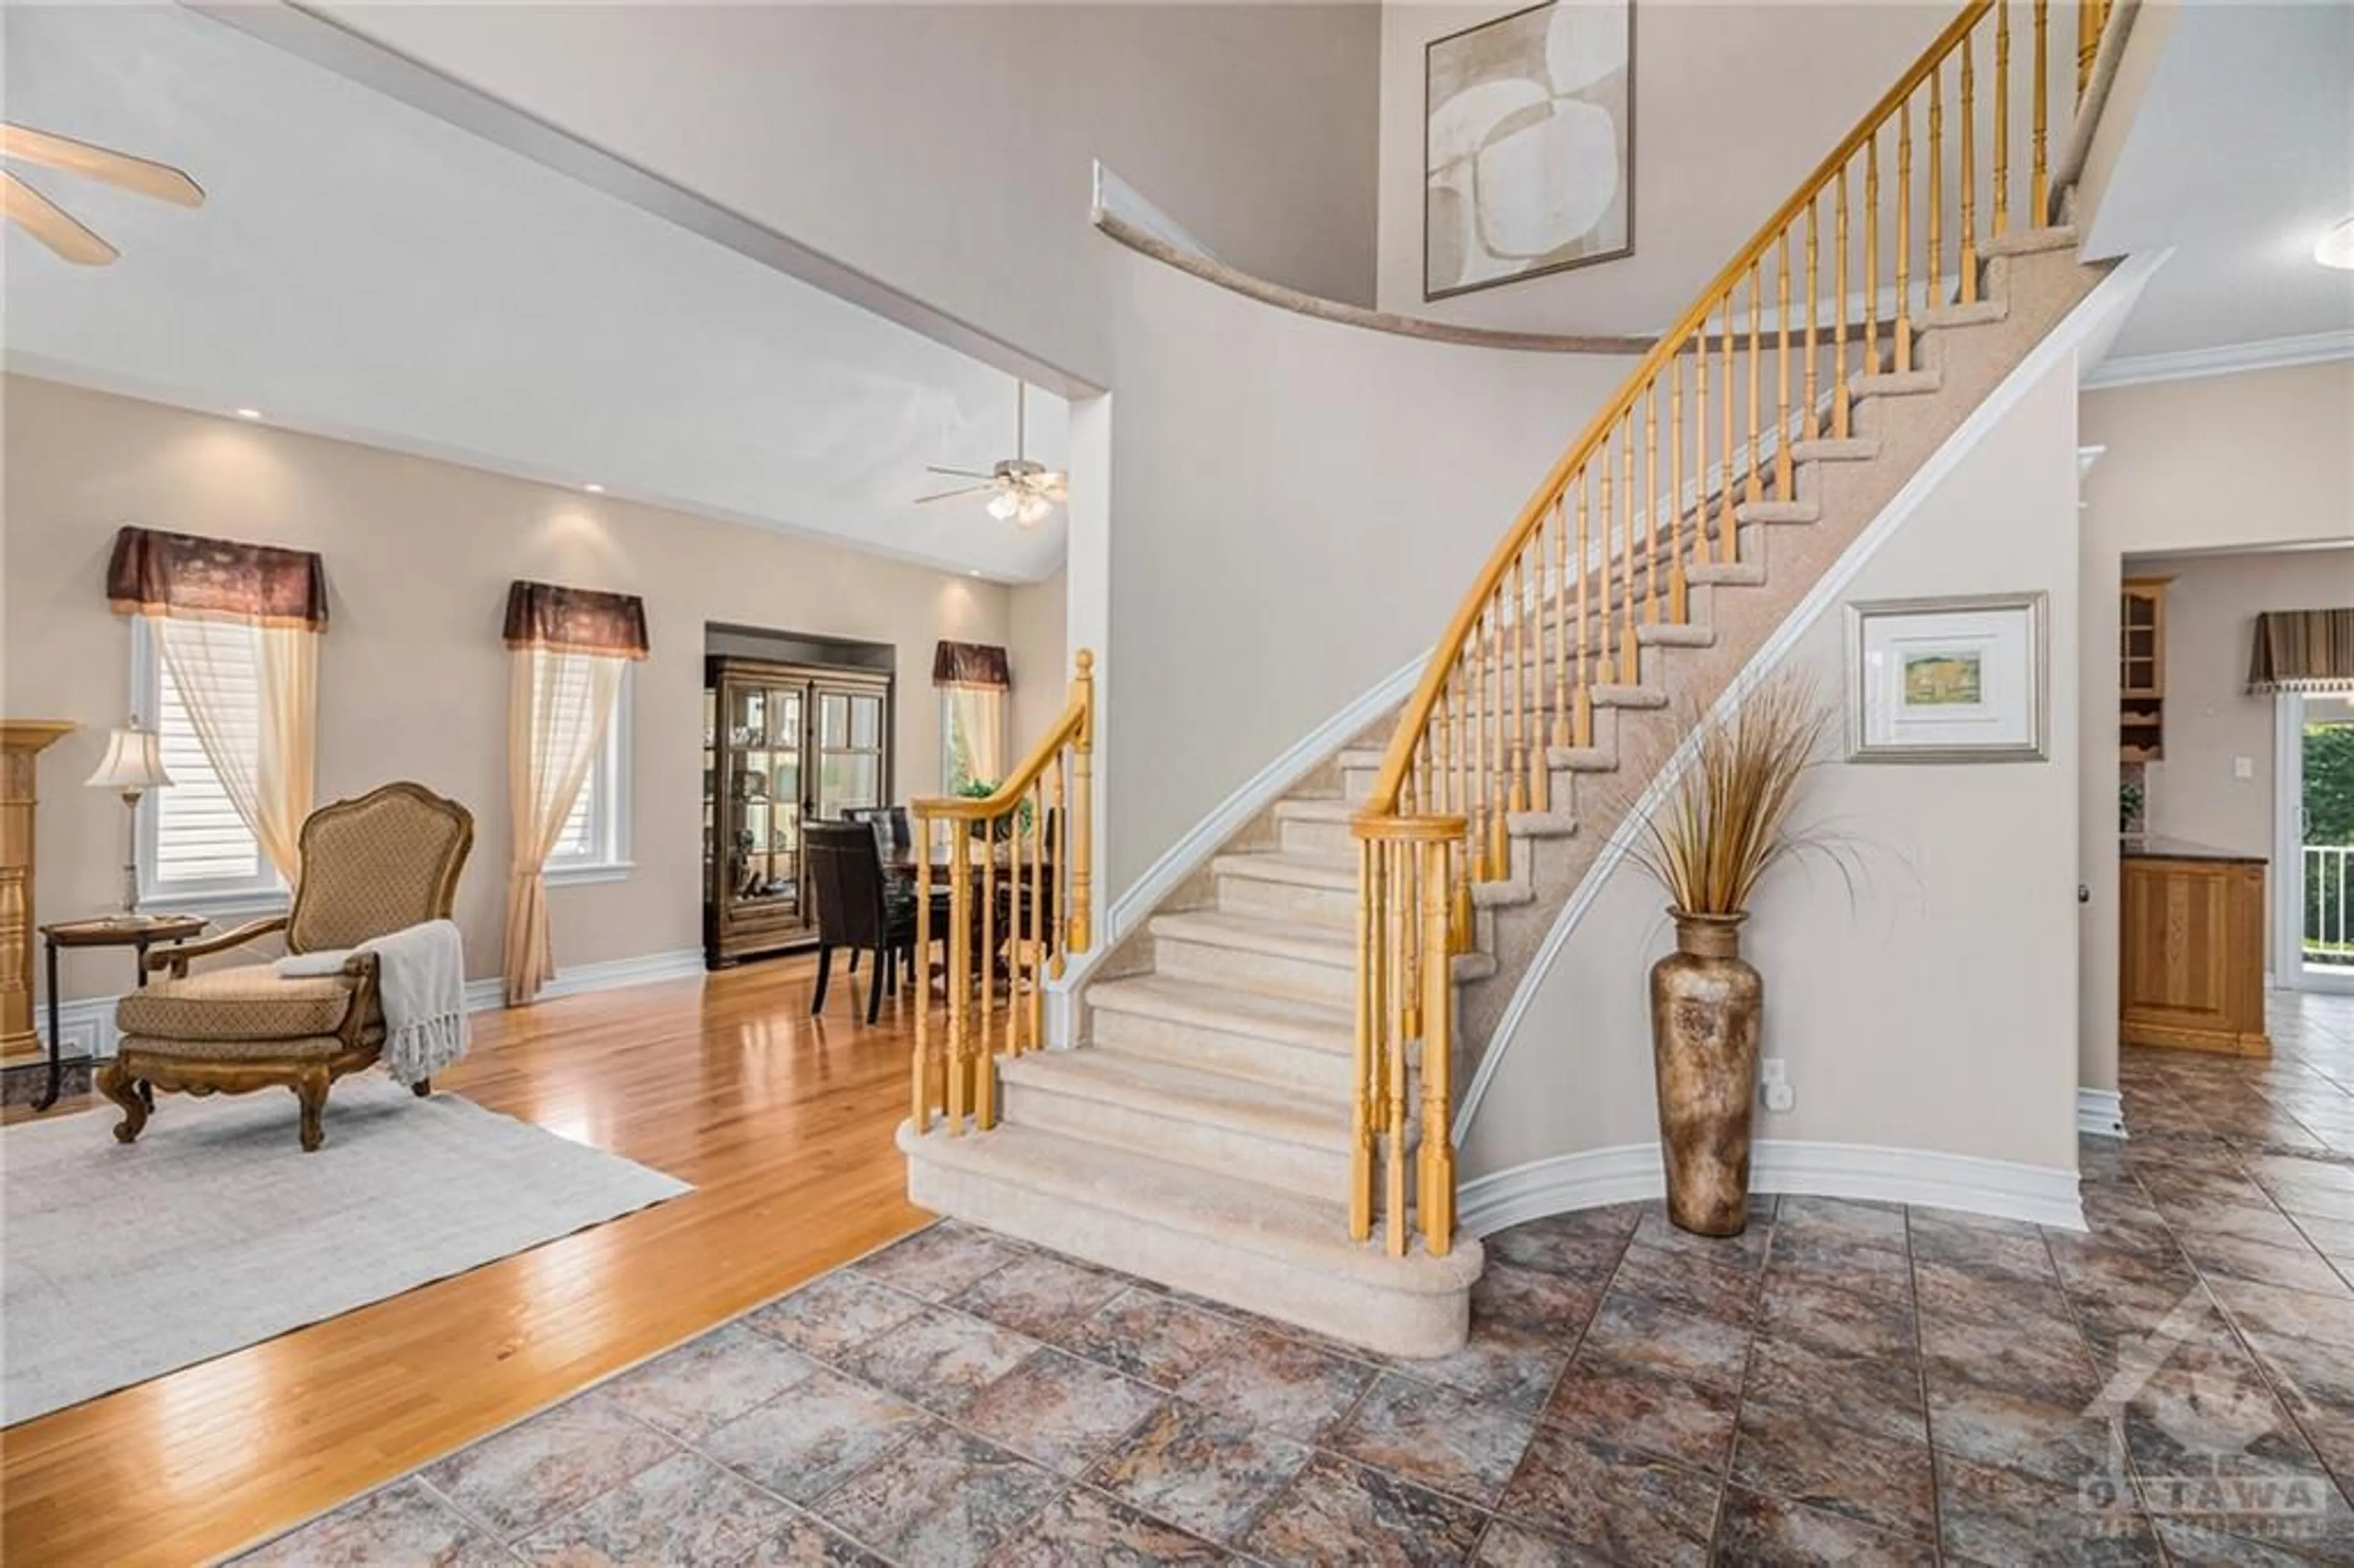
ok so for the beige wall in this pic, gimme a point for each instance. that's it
(946, 149)
(1932, 1008)
(1296, 508)
(2221, 463)
(1711, 163)
(1036, 646)
(412, 674)
(2211, 718)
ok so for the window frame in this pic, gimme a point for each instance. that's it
(606, 858)
(264, 893)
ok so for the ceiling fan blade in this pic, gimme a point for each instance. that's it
(952, 495)
(143, 176)
(47, 222)
(958, 472)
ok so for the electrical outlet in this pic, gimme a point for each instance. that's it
(1780, 1098)
(1773, 1070)
(2243, 768)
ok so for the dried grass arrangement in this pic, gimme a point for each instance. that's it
(1726, 820)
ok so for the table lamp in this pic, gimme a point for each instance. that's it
(133, 763)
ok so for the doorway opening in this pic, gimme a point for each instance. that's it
(2313, 920)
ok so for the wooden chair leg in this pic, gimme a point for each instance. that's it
(875, 986)
(422, 1087)
(854, 960)
(123, 1090)
(311, 1088)
(824, 976)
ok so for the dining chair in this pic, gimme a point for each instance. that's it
(854, 908)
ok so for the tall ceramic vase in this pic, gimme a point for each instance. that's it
(1705, 1006)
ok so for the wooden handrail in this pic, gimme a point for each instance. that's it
(1048, 914)
(1651, 502)
(1416, 714)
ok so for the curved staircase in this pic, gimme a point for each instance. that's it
(1254, 1079)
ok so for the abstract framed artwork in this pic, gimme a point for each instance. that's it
(1528, 145)
(1947, 680)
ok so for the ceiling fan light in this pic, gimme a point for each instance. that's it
(2336, 247)
(1058, 487)
(1033, 511)
(1003, 506)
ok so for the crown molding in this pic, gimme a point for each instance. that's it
(2226, 359)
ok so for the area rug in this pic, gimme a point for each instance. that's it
(215, 1231)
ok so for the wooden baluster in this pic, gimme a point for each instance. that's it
(1462, 923)
(1041, 929)
(1395, 1051)
(1475, 752)
(1437, 1184)
(1969, 179)
(1082, 753)
(1679, 597)
(1839, 400)
(1499, 761)
(1704, 499)
(960, 956)
(1782, 425)
(1059, 852)
(1806, 425)
(1933, 279)
(1901, 354)
(1652, 604)
(1361, 1109)
(1524, 787)
(921, 1111)
(2040, 182)
(1564, 733)
(2092, 17)
(1756, 361)
(2001, 223)
(984, 1062)
(1582, 716)
(1630, 652)
(1731, 507)
(1605, 668)
(1872, 253)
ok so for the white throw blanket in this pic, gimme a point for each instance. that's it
(421, 982)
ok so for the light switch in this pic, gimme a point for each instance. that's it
(2243, 768)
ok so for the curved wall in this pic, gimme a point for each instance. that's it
(1296, 506)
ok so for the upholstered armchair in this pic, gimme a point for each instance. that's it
(370, 866)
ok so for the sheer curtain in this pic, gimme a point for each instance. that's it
(979, 716)
(231, 619)
(570, 646)
(558, 703)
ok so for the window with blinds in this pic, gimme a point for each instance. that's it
(193, 843)
(595, 841)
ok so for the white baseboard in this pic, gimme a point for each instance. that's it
(86, 1024)
(2101, 1112)
(1632, 1173)
(484, 995)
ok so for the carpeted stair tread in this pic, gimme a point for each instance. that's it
(1288, 866)
(1295, 1020)
(1259, 933)
(1184, 1093)
(1300, 1232)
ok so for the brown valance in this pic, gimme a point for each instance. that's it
(2302, 650)
(576, 621)
(971, 665)
(155, 573)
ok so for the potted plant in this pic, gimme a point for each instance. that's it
(1724, 823)
(997, 828)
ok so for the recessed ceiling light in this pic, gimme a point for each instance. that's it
(248, 413)
(594, 489)
(973, 574)
(2337, 246)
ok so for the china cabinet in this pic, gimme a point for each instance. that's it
(782, 744)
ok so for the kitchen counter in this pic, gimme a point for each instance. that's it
(2157, 846)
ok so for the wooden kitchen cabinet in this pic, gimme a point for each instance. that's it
(2191, 948)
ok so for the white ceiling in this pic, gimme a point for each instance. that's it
(361, 269)
(2240, 156)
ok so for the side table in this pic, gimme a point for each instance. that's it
(140, 932)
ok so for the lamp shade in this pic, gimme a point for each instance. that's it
(133, 760)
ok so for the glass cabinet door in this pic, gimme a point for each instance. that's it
(764, 798)
(849, 751)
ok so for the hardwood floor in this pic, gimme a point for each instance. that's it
(782, 1122)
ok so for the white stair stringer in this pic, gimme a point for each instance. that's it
(1199, 1135)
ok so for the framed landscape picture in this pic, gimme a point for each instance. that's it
(1528, 145)
(1947, 680)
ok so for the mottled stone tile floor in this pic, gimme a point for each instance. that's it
(1848, 1382)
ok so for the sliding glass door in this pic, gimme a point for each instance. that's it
(2313, 945)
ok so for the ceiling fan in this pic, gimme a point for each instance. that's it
(1026, 492)
(52, 225)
